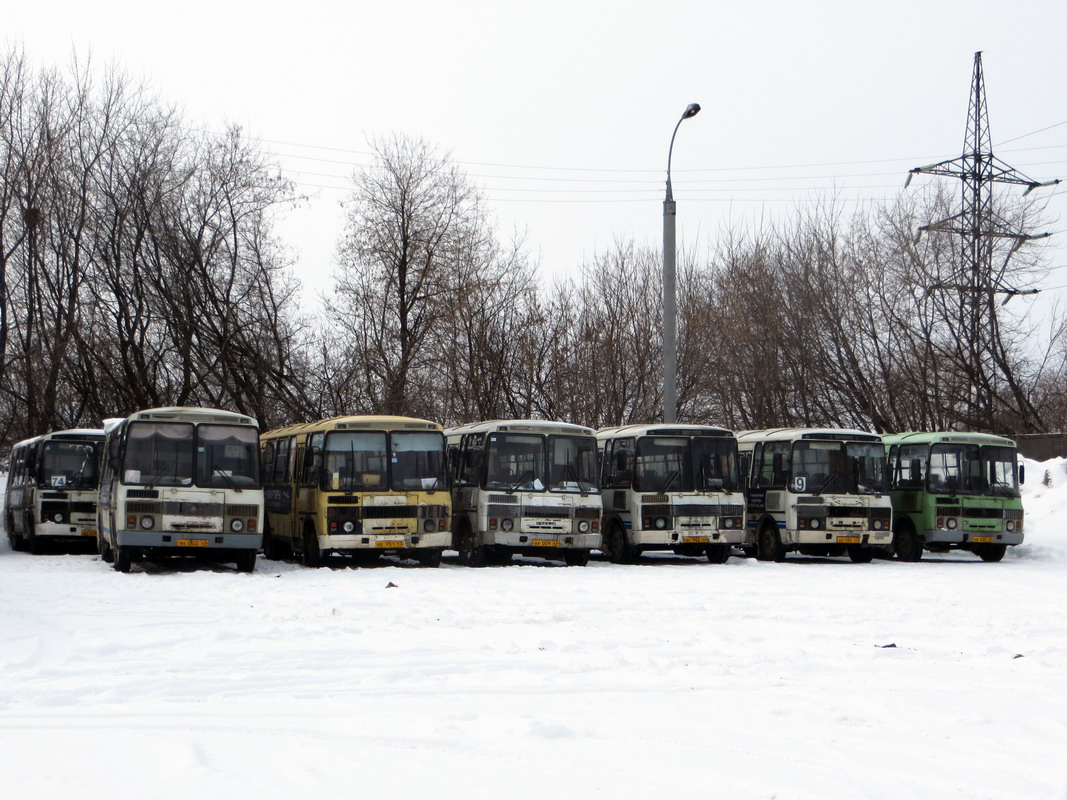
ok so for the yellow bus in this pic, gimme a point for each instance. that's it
(360, 486)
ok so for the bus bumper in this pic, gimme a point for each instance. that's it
(62, 530)
(383, 542)
(939, 536)
(188, 542)
(546, 541)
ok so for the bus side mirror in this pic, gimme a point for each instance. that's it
(915, 468)
(1022, 473)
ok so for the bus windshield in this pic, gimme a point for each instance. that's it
(838, 467)
(159, 454)
(356, 461)
(716, 463)
(515, 462)
(69, 465)
(184, 454)
(572, 464)
(970, 469)
(227, 457)
(418, 460)
(663, 464)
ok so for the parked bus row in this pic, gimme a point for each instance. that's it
(206, 482)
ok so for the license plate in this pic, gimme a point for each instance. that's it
(848, 540)
(193, 543)
(694, 539)
(545, 543)
(982, 539)
(389, 545)
(87, 532)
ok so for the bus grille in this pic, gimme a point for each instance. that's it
(555, 512)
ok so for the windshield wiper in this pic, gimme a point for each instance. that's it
(826, 483)
(522, 479)
(215, 468)
(155, 478)
(672, 476)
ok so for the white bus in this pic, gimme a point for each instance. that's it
(181, 481)
(359, 486)
(526, 487)
(817, 491)
(670, 487)
(51, 488)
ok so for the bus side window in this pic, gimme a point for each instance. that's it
(266, 462)
(473, 458)
(311, 472)
(621, 457)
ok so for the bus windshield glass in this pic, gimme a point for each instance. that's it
(227, 457)
(838, 467)
(69, 465)
(572, 464)
(515, 462)
(418, 460)
(716, 464)
(159, 454)
(1003, 467)
(663, 464)
(970, 469)
(356, 461)
(867, 460)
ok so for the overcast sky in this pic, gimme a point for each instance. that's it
(562, 111)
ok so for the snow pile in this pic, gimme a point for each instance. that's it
(1045, 505)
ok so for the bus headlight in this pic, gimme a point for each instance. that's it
(814, 523)
(951, 522)
(660, 523)
(583, 527)
(348, 527)
(429, 525)
(728, 522)
(507, 524)
(876, 524)
(57, 517)
(1009, 525)
(236, 525)
(147, 523)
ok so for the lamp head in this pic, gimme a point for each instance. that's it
(691, 110)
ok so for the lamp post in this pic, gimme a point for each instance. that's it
(670, 308)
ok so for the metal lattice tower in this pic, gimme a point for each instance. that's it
(978, 168)
(979, 227)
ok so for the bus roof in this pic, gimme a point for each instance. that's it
(372, 422)
(191, 414)
(521, 426)
(661, 429)
(76, 434)
(946, 437)
(793, 434)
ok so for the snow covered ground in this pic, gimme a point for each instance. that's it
(674, 678)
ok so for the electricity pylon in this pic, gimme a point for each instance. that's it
(979, 226)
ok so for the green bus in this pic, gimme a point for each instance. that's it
(954, 491)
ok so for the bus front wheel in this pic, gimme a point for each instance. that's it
(990, 552)
(718, 553)
(312, 555)
(470, 554)
(619, 550)
(246, 561)
(769, 546)
(123, 558)
(906, 543)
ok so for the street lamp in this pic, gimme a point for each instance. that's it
(670, 309)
